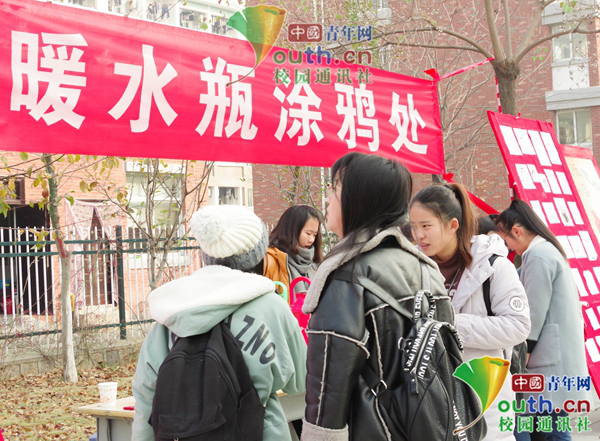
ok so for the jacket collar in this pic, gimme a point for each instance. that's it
(210, 287)
(534, 242)
(482, 248)
(331, 264)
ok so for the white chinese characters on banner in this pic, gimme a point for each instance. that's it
(62, 93)
(362, 115)
(304, 118)
(152, 88)
(240, 102)
(402, 117)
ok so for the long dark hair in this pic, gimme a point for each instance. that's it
(519, 212)
(485, 223)
(287, 231)
(375, 195)
(447, 202)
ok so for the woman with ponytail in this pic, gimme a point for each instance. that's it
(445, 227)
(555, 344)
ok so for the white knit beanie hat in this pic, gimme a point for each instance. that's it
(230, 235)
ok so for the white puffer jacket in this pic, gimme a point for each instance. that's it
(496, 335)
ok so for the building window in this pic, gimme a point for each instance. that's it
(218, 25)
(575, 127)
(225, 195)
(568, 46)
(193, 20)
(167, 198)
(15, 192)
(250, 198)
(229, 196)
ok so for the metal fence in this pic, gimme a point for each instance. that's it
(109, 286)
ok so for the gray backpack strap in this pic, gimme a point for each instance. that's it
(425, 277)
(381, 293)
(390, 300)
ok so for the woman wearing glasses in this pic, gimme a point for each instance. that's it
(556, 343)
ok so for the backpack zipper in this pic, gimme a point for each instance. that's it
(210, 353)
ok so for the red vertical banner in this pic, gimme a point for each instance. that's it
(586, 177)
(539, 173)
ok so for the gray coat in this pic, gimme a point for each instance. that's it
(556, 320)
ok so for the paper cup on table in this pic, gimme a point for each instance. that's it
(108, 394)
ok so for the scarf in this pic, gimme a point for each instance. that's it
(302, 265)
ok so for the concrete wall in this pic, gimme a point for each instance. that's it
(34, 363)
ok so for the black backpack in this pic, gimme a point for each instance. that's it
(430, 403)
(518, 360)
(204, 391)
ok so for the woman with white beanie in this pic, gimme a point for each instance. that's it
(233, 242)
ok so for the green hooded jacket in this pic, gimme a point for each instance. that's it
(262, 322)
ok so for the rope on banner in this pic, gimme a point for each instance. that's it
(498, 96)
(436, 77)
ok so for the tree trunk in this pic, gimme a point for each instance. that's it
(507, 71)
(68, 353)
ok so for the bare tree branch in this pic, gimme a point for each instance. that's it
(493, 31)
(435, 46)
(478, 47)
(509, 51)
(575, 30)
(533, 27)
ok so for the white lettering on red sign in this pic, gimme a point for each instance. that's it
(215, 98)
(304, 118)
(361, 115)
(152, 89)
(58, 66)
(402, 117)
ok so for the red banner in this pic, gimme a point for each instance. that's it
(586, 177)
(80, 81)
(539, 172)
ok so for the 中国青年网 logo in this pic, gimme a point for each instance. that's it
(528, 408)
(486, 377)
(261, 26)
(322, 40)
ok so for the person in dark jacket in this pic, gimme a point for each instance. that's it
(351, 329)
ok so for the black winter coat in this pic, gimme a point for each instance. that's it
(351, 328)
